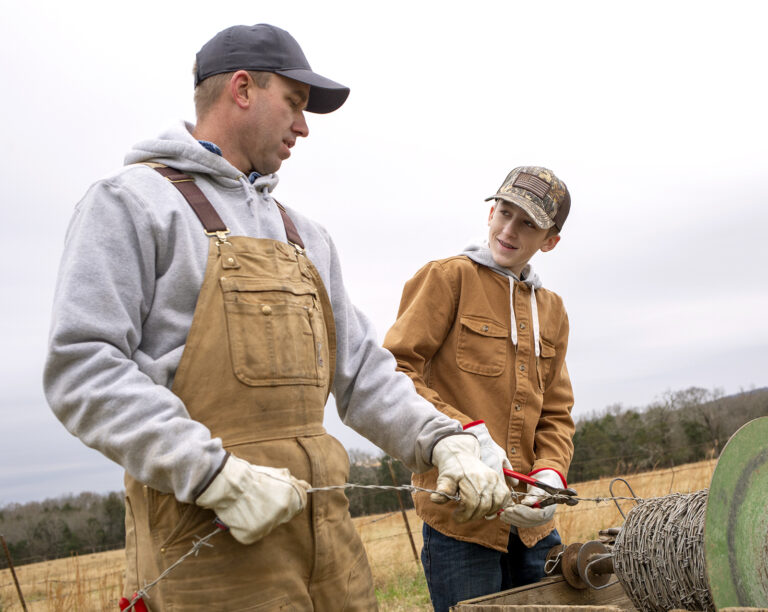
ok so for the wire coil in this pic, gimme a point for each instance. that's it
(659, 554)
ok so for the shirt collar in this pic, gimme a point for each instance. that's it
(213, 148)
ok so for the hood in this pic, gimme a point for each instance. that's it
(176, 147)
(479, 252)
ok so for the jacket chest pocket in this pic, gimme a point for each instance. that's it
(482, 346)
(544, 363)
(276, 332)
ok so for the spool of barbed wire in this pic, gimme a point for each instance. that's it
(706, 550)
(659, 554)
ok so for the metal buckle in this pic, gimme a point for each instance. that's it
(220, 234)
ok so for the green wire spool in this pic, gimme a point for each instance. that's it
(736, 523)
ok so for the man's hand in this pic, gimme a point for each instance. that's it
(522, 515)
(491, 453)
(483, 490)
(253, 499)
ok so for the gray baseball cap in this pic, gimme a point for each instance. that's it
(266, 48)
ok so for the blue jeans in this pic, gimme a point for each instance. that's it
(457, 570)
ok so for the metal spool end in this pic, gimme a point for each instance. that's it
(594, 564)
(736, 523)
(569, 565)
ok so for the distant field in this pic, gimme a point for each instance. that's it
(93, 583)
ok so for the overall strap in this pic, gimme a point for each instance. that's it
(200, 204)
(207, 213)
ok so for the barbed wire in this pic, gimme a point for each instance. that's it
(201, 542)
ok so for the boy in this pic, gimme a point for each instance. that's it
(485, 343)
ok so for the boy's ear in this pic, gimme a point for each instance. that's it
(490, 214)
(550, 243)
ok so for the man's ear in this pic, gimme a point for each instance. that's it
(550, 243)
(240, 88)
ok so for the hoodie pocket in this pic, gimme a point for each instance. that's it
(482, 346)
(544, 362)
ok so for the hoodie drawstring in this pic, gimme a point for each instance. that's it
(534, 315)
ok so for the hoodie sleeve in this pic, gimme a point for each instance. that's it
(92, 382)
(371, 396)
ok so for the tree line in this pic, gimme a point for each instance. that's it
(680, 427)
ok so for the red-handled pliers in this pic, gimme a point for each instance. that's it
(561, 496)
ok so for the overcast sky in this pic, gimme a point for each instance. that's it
(653, 113)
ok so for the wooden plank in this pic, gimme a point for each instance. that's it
(544, 608)
(553, 590)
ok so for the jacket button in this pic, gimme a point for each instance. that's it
(522, 325)
(518, 407)
(266, 310)
(522, 367)
(485, 328)
(512, 451)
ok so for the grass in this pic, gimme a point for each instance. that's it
(93, 583)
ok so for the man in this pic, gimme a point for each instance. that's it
(198, 328)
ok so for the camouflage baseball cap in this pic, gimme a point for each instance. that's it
(539, 193)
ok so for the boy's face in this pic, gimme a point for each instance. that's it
(514, 237)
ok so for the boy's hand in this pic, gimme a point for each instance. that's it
(491, 453)
(522, 515)
(483, 490)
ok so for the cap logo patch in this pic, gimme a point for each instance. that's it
(533, 184)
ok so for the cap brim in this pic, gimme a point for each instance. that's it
(325, 96)
(539, 217)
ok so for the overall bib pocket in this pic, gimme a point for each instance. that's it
(276, 331)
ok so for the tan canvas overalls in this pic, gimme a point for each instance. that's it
(256, 370)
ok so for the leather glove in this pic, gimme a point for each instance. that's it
(483, 490)
(491, 453)
(253, 499)
(522, 515)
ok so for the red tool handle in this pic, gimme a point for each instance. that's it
(139, 606)
(521, 477)
(524, 478)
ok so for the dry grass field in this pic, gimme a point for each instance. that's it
(93, 583)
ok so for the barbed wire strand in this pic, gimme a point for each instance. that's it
(201, 542)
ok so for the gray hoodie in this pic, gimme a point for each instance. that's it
(480, 253)
(132, 267)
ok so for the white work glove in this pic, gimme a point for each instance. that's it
(459, 468)
(253, 499)
(491, 453)
(522, 515)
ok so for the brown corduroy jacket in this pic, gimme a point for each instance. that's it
(452, 337)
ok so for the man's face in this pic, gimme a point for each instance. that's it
(514, 237)
(275, 121)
